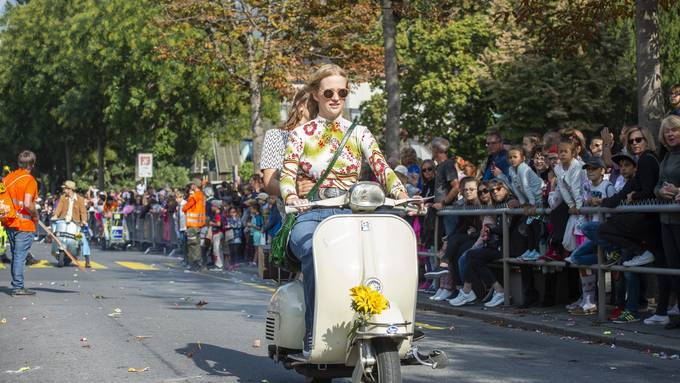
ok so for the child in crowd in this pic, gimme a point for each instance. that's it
(216, 235)
(597, 189)
(236, 245)
(568, 193)
(256, 226)
(527, 187)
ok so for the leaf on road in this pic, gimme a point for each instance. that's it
(142, 337)
(117, 310)
(138, 369)
(200, 304)
(99, 297)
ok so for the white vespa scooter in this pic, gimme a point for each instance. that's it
(373, 249)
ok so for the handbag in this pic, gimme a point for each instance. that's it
(279, 246)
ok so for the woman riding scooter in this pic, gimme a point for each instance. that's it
(309, 151)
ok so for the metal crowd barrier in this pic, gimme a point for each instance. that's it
(600, 267)
(153, 232)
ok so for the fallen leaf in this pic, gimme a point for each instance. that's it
(138, 369)
(142, 337)
(607, 332)
(200, 304)
(99, 297)
(117, 310)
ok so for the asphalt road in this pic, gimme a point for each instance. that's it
(95, 326)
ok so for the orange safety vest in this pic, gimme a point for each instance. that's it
(195, 210)
(17, 190)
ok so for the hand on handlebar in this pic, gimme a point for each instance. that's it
(299, 203)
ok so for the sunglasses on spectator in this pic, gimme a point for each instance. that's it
(428, 169)
(635, 140)
(497, 188)
(342, 93)
(483, 191)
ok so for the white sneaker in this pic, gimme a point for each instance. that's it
(439, 291)
(673, 310)
(569, 259)
(573, 306)
(463, 298)
(640, 260)
(496, 300)
(532, 256)
(443, 296)
(660, 320)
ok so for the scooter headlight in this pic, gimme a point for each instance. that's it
(366, 196)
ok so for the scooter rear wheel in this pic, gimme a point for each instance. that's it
(388, 365)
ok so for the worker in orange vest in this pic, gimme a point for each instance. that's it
(23, 189)
(196, 220)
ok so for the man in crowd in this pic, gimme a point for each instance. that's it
(71, 208)
(23, 189)
(497, 161)
(196, 220)
(446, 185)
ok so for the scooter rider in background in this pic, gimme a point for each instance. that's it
(71, 207)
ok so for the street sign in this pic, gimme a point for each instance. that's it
(144, 165)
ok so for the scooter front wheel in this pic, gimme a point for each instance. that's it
(388, 365)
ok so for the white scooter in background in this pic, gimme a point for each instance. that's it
(366, 247)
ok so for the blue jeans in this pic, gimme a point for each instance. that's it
(586, 254)
(301, 244)
(461, 264)
(20, 242)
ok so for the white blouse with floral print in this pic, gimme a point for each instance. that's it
(311, 148)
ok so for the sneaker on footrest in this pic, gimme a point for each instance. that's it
(613, 257)
(659, 320)
(437, 273)
(640, 260)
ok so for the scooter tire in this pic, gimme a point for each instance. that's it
(388, 364)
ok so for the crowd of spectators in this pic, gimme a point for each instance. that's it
(563, 171)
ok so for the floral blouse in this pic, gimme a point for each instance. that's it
(312, 146)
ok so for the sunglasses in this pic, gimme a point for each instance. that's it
(428, 169)
(483, 191)
(329, 93)
(635, 140)
(497, 188)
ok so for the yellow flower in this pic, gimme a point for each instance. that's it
(367, 301)
(2, 187)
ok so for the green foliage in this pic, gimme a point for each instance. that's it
(246, 170)
(168, 175)
(669, 44)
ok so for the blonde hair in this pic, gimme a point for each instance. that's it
(651, 145)
(670, 122)
(299, 111)
(314, 82)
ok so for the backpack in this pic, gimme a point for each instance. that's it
(8, 212)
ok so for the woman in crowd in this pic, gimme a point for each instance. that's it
(636, 233)
(309, 152)
(668, 189)
(487, 248)
(484, 193)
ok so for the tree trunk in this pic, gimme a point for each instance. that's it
(100, 163)
(650, 97)
(255, 87)
(69, 162)
(391, 82)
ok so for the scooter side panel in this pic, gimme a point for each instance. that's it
(348, 251)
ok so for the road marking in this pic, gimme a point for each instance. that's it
(429, 326)
(42, 264)
(136, 266)
(207, 274)
(96, 265)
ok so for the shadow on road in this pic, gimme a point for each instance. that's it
(221, 361)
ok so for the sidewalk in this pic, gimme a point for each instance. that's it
(556, 320)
